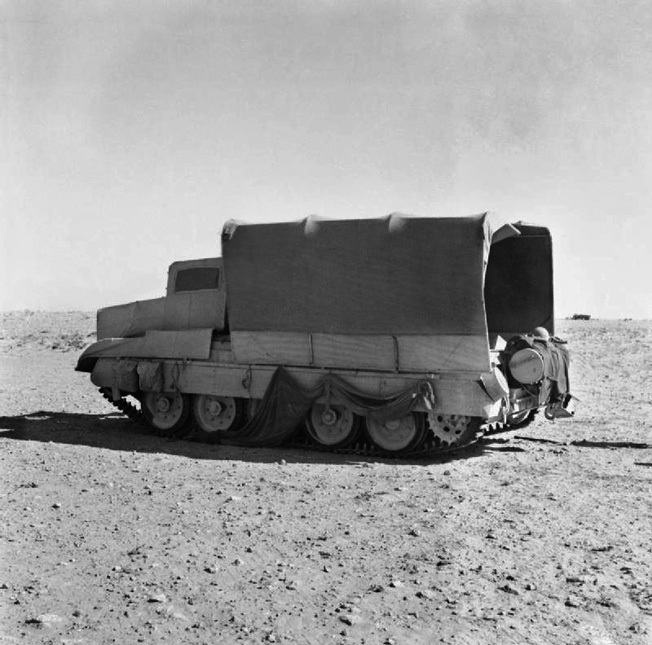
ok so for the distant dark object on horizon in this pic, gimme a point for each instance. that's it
(581, 317)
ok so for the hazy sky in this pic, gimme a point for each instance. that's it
(131, 131)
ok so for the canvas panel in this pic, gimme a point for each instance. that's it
(395, 275)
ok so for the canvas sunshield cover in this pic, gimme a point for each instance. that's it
(394, 275)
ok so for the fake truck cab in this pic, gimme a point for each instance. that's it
(393, 336)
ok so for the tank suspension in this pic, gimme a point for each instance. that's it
(441, 435)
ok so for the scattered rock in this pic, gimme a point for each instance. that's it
(56, 505)
(350, 619)
(46, 620)
(425, 593)
(510, 589)
(159, 597)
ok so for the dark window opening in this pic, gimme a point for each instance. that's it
(197, 279)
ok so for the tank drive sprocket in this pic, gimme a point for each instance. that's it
(452, 430)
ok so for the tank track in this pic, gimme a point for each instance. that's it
(127, 408)
(431, 447)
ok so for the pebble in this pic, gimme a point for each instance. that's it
(350, 619)
(210, 569)
(46, 619)
(509, 589)
(56, 505)
(426, 593)
(572, 601)
(159, 597)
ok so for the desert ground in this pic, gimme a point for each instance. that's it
(112, 535)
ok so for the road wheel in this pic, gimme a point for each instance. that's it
(397, 436)
(332, 426)
(166, 413)
(216, 414)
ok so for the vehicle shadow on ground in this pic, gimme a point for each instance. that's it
(115, 431)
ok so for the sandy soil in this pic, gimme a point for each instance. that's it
(110, 535)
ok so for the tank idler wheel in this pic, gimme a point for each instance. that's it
(167, 413)
(216, 414)
(332, 426)
(397, 436)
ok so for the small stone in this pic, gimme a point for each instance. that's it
(396, 584)
(159, 597)
(238, 562)
(638, 628)
(572, 601)
(530, 586)
(350, 619)
(283, 462)
(414, 532)
(56, 505)
(46, 619)
(210, 569)
(376, 588)
(509, 589)
(76, 613)
(425, 593)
